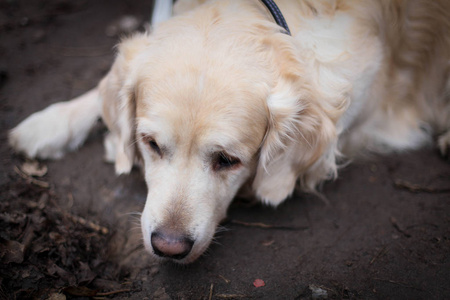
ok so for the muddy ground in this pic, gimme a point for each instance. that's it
(73, 232)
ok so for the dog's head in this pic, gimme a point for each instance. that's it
(210, 111)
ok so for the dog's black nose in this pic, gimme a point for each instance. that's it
(171, 245)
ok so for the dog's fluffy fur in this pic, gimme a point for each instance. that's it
(222, 82)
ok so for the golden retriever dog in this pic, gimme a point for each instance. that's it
(220, 98)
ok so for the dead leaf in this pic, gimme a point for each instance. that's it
(66, 276)
(56, 237)
(104, 284)
(318, 292)
(11, 252)
(161, 294)
(85, 274)
(57, 296)
(259, 283)
(80, 291)
(33, 168)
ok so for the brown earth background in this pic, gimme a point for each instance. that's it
(74, 232)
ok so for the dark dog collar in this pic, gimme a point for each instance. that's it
(277, 15)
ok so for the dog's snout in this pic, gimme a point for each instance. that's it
(171, 245)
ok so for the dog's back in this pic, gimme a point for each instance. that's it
(401, 94)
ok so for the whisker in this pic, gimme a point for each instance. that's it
(133, 213)
(221, 229)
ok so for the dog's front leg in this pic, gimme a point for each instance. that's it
(61, 127)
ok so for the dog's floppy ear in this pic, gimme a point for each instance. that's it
(301, 136)
(118, 100)
(299, 144)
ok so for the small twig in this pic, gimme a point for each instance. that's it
(379, 254)
(25, 230)
(113, 292)
(211, 291)
(226, 296)
(423, 225)
(87, 223)
(396, 226)
(30, 179)
(268, 243)
(77, 219)
(399, 283)
(70, 197)
(416, 188)
(267, 226)
(224, 279)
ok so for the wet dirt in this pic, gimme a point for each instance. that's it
(74, 232)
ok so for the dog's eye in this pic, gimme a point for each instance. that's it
(153, 145)
(224, 161)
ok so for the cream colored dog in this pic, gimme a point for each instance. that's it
(218, 98)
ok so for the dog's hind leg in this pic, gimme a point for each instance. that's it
(59, 128)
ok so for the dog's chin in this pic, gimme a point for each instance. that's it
(185, 261)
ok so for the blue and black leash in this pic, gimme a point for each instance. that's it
(277, 15)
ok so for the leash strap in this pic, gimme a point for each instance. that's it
(277, 15)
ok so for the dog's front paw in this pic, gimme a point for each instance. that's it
(444, 143)
(274, 190)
